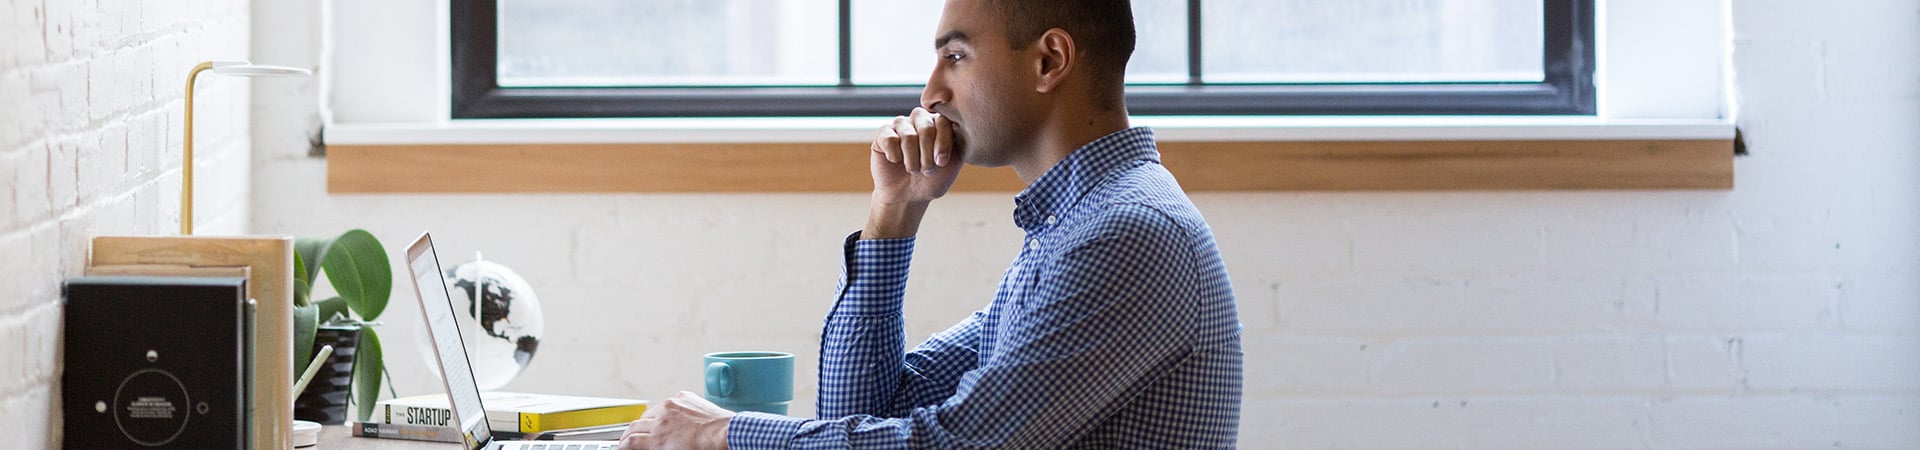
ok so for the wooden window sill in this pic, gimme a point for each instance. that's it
(1206, 153)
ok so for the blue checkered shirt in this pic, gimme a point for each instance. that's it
(1115, 327)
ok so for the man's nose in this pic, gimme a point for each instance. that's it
(935, 94)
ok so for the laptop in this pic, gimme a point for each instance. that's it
(437, 308)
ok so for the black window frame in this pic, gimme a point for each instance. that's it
(1567, 88)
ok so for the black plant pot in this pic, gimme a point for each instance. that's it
(325, 400)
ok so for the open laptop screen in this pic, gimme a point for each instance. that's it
(437, 308)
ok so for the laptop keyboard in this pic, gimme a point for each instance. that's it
(568, 446)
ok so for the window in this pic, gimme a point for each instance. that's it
(654, 58)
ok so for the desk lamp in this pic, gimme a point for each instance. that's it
(235, 68)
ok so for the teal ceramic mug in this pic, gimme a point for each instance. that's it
(750, 381)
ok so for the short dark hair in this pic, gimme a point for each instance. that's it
(1102, 30)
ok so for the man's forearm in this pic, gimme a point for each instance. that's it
(894, 221)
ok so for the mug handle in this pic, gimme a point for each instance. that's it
(719, 380)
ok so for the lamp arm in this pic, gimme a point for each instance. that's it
(186, 150)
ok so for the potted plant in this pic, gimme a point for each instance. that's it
(355, 265)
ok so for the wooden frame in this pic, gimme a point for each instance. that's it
(1200, 166)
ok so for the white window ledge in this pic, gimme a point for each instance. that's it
(1168, 128)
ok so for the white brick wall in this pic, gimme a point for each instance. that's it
(1784, 313)
(90, 100)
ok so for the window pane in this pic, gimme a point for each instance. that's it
(668, 42)
(1160, 50)
(1342, 41)
(893, 41)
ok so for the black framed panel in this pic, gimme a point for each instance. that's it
(1567, 88)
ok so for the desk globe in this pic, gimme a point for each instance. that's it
(502, 324)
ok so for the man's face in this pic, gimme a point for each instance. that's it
(982, 84)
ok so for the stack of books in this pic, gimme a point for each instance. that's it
(509, 414)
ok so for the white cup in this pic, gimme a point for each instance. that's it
(306, 435)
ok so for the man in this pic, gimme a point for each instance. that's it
(1115, 325)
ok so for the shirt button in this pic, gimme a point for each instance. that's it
(1051, 219)
(1033, 243)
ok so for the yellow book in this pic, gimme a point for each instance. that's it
(516, 412)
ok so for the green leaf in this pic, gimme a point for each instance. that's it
(367, 367)
(302, 286)
(357, 267)
(310, 252)
(306, 323)
(331, 308)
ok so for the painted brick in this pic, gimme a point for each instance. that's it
(107, 87)
(21, 41)
(1745, 422)
(1881, 302)
(1557, 423)
(1556, 303)
(1283, 233)
(14, 133)
(38, 424)
(146, 210)
(1447, 242)
(17, 294)
(1621, 363)
(40, 337)
(1307, 365)
(29, 172)
(63, 174)
(98, 168)
(220, 180)
(1450, 306)
(1748, 302)
(1879, 421)
(1283, 422)
(1705, 364)
(1340, 305)
(43, 281)
(58, 26)
(11, 168)
(1463, 366)
(1832, 362)
(144, 145)
(1641, 232)
(1258, 305)
(60, 93)
(1864, 65)
(1817, 229)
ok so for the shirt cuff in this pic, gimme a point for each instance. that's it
(751, 430)
(875, 275)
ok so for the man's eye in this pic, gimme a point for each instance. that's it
(953, 57)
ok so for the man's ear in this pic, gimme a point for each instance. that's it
(1057, 60)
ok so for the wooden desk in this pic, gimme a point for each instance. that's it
(338, 437)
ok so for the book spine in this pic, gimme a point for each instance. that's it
(583, 418)
(408, 432)
(415, 415)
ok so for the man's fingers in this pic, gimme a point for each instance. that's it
(925, 123)
(635, 442)
(888, 144)
(909, 143)
(943, 143)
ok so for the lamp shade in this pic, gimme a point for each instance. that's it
(247, 69)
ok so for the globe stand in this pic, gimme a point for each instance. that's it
(325, 400)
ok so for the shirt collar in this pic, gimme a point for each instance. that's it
(1062, 186)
